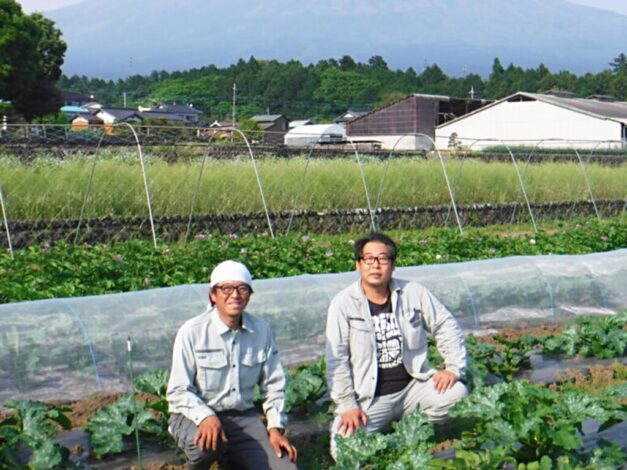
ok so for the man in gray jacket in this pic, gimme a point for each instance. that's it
(376, 347)
(218, 358)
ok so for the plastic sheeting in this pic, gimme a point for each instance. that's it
(71, 348)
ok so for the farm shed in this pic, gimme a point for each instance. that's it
(307, 135)
(532, 119)
(397, 125)
(275, 127)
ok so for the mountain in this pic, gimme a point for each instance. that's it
(117, 38)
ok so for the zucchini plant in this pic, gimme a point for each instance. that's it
(599, 337)
(110, 425)
(27, 436)
(525, 423)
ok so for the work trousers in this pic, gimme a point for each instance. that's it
(417, 395)
(248, 446)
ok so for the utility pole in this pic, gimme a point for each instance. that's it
(124, 98)
(233, 109)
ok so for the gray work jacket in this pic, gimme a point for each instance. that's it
(351, 350)
(215, 369)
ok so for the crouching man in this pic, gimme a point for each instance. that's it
(376, 347)
(218, 358)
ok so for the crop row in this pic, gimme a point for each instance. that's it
(51, 189)
(64, 270)
(511, 422)
(180, 228)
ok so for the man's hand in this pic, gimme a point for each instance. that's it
(443, 380)
(279, 441)
(209, 433)
(351, 420)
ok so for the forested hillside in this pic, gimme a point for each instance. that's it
(327, 88)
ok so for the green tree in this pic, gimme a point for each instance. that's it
(389, 98)
(619, 63)
(345, 88)
(31, 55)
(19, 36)
(251, 130)
(347, 63)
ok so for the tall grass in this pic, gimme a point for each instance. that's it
(49, 188)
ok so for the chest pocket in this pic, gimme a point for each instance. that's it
(251, 367)
(415, 333)
(211, 368)
(357, 324)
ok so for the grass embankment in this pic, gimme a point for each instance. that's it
(50, 188)
(74, 270)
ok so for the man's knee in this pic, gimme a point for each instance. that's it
(184, 430)
(198, 459)
(439, 412)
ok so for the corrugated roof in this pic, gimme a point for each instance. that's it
(266, 117)
(178, 108)
(612, 110)
(73, 109)
(162, 115)
(600, 108)
(120, 113)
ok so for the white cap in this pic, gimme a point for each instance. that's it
(230, 271)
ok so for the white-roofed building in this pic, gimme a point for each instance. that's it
(307, 135)
(544, 120)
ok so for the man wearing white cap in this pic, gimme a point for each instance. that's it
(218, 358)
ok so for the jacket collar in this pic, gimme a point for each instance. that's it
(221, 328)
(357, 291)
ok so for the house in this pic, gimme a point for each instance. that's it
(546, 120)
(221, 124)
(409, 123)
(347, 116)
(309, 135)
(110, 115)
(72, 110)
(221, 129)
(163, 118)
(275, 127)
(188, 113)
(84, 120)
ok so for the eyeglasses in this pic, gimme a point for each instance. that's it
(381, 259)
(242, 290)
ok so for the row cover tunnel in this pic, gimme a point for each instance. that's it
(70, 348)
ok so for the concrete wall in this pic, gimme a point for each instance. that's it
(397, 142)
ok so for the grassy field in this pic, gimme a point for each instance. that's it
(50, 188)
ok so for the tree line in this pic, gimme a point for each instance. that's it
(330, 87)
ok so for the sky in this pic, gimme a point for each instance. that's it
(29, 6)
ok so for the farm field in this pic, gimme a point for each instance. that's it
(585, 391)
(499, 425)
(48, 188)
(66, 270)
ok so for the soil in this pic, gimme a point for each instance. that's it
(514, 333)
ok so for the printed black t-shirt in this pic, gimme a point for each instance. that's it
(392, 376)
